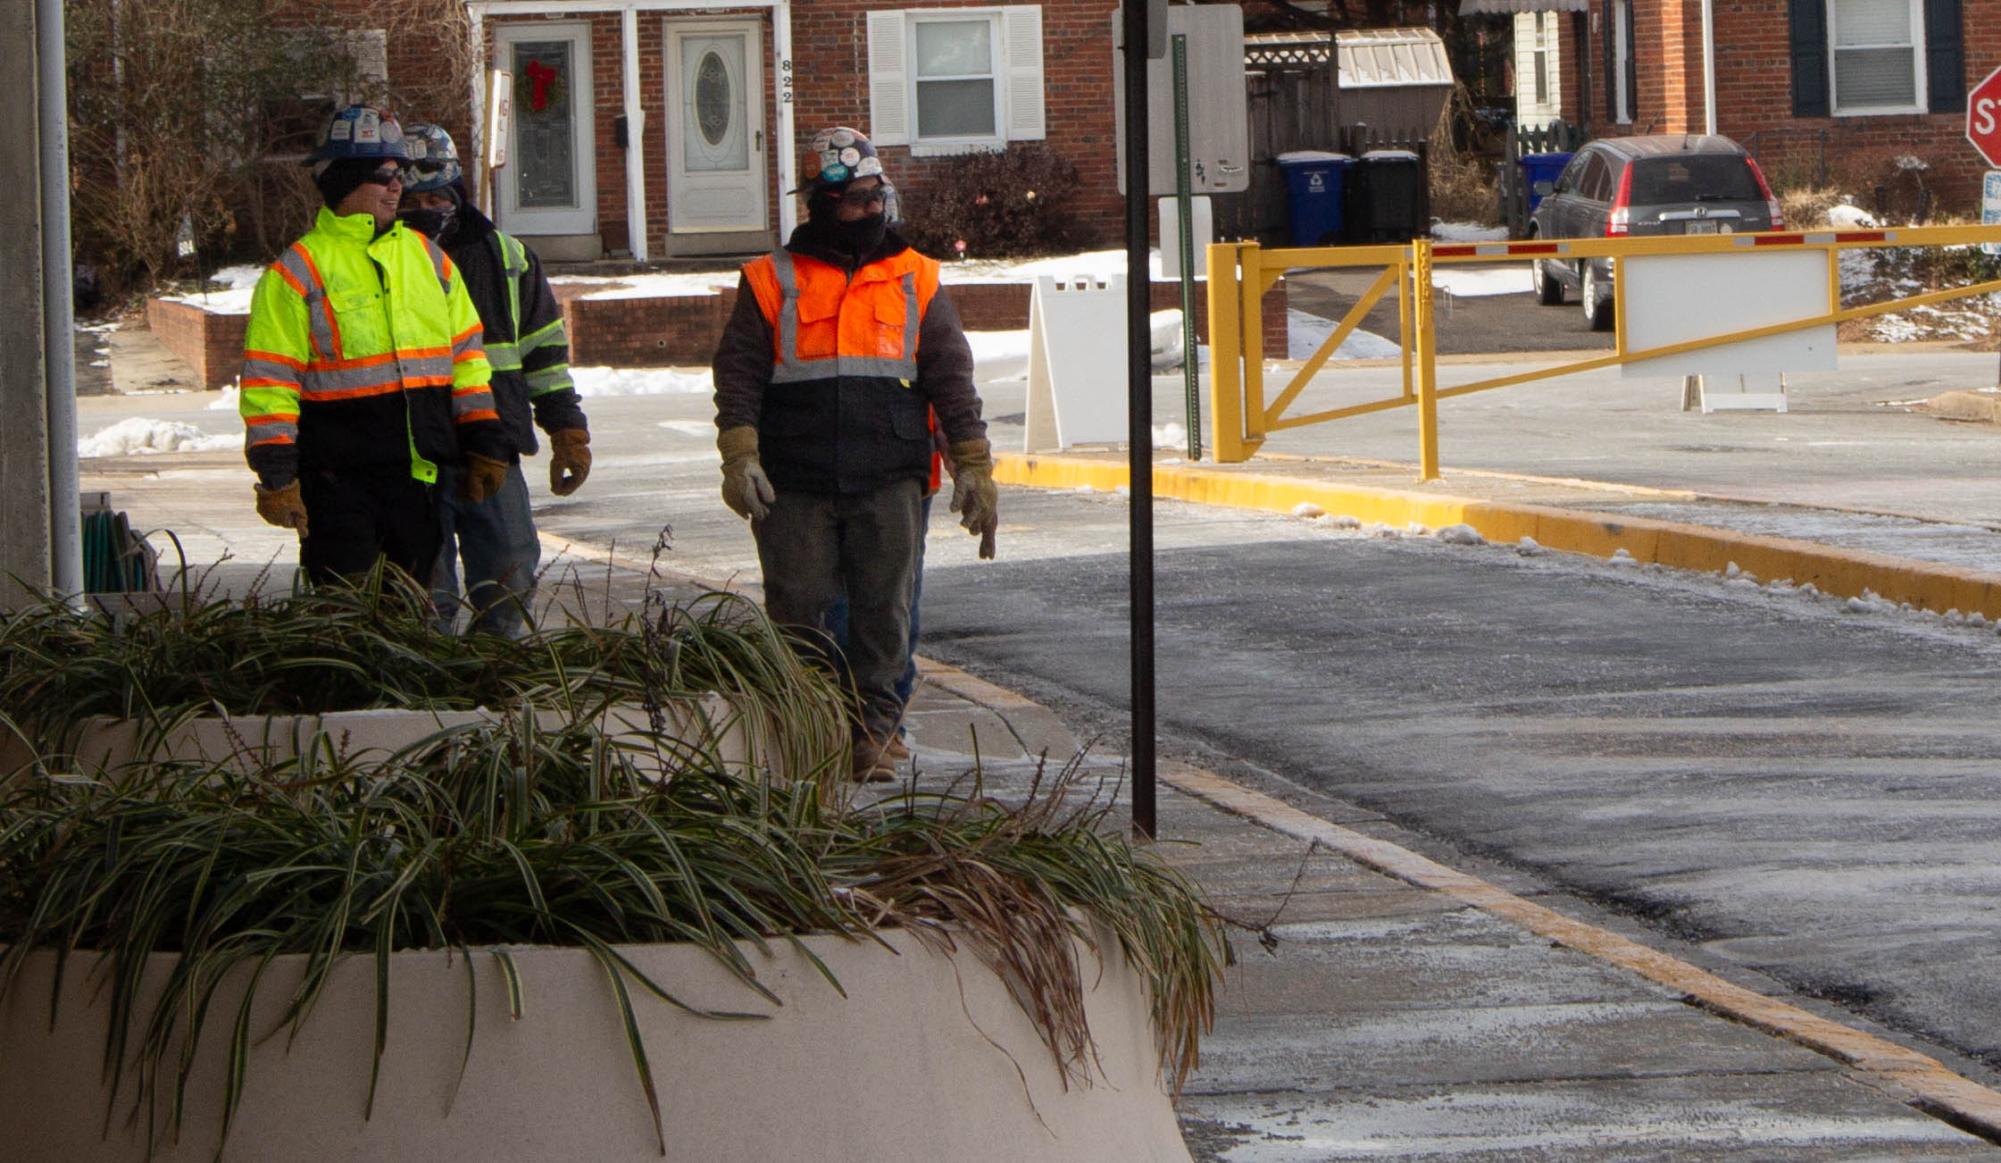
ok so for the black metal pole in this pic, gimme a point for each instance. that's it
(1139, 384)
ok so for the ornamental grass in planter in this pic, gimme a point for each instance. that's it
(200, 913)
(374, 647)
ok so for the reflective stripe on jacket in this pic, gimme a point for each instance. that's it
(525, 340)
(842, 412)
(364, 351)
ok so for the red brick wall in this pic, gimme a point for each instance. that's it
(211, 344)
(830, 47)
(1754, 98)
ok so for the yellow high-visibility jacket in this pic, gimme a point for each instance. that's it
(363, 353)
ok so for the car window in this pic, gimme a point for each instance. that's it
(1566, 183)
(1597, 184)
(1695, 178)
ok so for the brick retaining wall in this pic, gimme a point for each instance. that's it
(210, 343)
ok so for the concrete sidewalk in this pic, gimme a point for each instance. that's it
(1409, 1010)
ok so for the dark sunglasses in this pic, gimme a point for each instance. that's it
(860, 199)
(385, 176)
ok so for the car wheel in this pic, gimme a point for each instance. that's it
(1597, 304)
(1548, 291)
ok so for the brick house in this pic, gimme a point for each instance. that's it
(669, 128)
(1820, 90)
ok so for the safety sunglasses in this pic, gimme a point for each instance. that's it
(385, 176)
(862, 199)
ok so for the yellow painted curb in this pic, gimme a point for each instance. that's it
(1843, 572)
(1922, 1081)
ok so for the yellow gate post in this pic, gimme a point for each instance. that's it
(1427, 360)
(1251, 340)
(1226, 390)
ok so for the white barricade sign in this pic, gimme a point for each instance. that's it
(1076, 363)
(1680, 297)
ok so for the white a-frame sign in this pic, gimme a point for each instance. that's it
(1076, 363)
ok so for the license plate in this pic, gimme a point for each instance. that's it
(1701, 227)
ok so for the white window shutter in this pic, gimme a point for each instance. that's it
(1021, 38)
(888, 80)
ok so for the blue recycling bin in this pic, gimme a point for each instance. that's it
(1313, 187)
(1541, 167)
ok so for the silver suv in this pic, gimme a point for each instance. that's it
(1664, 184)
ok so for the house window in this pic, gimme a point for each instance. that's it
(946, 81)
(1543, 20)
(1876, 51)
(954, 78)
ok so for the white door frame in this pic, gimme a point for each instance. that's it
(755, 183)
(583, 218)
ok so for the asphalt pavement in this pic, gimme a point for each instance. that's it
(1562, 860)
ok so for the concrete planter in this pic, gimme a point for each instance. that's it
(251, 742)
(926, 1058)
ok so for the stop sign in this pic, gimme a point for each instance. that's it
(1983, 118)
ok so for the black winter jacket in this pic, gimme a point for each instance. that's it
(541, 378)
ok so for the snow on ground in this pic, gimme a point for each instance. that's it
(1097, 263)
(1468, 232)
(1468, 282)
(231, 293)
(137, 434)
(1305, 333)
(1000, 355)
(641, 381)
(650, 285)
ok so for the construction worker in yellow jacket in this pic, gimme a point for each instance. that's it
(363, 371)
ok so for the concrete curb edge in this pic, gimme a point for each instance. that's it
(1833, 570)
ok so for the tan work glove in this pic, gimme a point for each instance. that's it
(569, 460)
(974, 497)
(283, 507)
(481, 477)
(746, 490)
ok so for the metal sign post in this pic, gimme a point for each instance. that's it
(1184, 200)
(1139, 385)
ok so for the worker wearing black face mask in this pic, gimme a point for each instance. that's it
(841, 348)
(494, 536)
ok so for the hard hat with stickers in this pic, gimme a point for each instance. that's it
(358, 131)
(434, 159)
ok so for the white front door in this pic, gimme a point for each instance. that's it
(715, 128)
(549, 185)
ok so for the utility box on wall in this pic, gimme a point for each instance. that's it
(1219, 125)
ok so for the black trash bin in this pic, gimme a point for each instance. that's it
(1385, 197)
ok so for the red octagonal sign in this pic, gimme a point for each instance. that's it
(1983, 118)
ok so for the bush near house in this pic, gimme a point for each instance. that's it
(1001, 204)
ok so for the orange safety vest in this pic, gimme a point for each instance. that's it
(826, 324)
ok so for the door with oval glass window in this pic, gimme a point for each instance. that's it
(715, 128)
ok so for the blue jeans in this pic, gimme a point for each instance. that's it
(496, 539)
(836, 623)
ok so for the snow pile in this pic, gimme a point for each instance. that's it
(1460, 535)
(1472, 282)
(225, 400)
(232, 296)
(1308, 510)
(1468, 232)
(1846, 217)
(640, 381)
(138, 435)
(1621, 558)
(1529, 547)
(1305, 332)
(1170, 435)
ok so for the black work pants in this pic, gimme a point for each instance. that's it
(817, 548)
(352, 518)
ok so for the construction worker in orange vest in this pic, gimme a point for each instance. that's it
(841, 347)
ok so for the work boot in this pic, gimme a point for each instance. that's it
(873, 762)
(896, 749)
